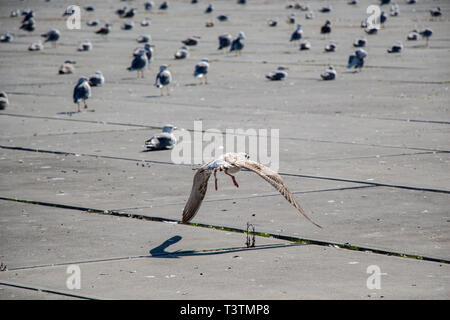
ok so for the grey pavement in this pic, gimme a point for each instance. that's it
(366, 155)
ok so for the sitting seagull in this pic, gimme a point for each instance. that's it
(139, 63)
(82, 91)
(329, 74)
(28, 25)
(436, 12)
(231, 163)
(182, 53)
(191, 41)
(93, 23)
(413, 35)
(224, 41)
(209, 9)
(128, 25)
(236, 44)
(6, 37)
(326, 28)
(297, 34)
(97, 79)
(148, 5)
(70, 10)
(272, 22)
(357, 60)
(85, 46)
(222, 17)
(427, 33)
(163, 78)
(394, 11)
(163, 141)
(52, 36)
(4, 102)
(396, 48)
(201, 70)
(164, 6)
(279, 74)
(326, 9)
(330, 47)
(67, 67)
(360, 43)
(305, 45)
(129, 14)
(145, 22)
(291, 18)
(36, 46)
(104, 30)
(309, 15)
(143, 39)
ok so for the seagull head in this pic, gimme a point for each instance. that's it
(168, 128)
(241, 35)
(163, 67)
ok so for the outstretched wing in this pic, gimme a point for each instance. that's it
(275, 180)
(198, 192)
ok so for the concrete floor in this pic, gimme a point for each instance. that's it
(366, 155)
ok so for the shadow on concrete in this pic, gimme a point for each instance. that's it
(160, 251)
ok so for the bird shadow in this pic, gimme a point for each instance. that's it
(191, 84)
(70, 113)
(154, 96)
(160, 251)
(152, 150)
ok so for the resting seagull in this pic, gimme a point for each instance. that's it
(201, 70)
(67, 67)
(182, 53)
(104, 30)
(163, 78)
(82, 91)
(85, 46)
(163, 141)
(396, 48)
(329, 74)
(139, 63)
(279, 74)
(232, 163)
(97, 79)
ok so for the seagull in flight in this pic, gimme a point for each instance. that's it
(231, 163)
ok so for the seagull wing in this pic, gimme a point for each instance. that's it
(275, 180)
(198, 192)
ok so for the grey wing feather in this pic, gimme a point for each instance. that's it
(275, 180)
(198, 192)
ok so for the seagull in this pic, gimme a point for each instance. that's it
(120, 12)
(209, 9)
(224, 41)
(305, 45)
(104, 30)
(14, 13)
(36, 46)
(28, 15)
(191, 41)
(164, 6)
(28, 25)
(128, 25)
(231, 163)
(146, 22)
(413, 35)
(67, 67)
(357, 60)
(97, 79)
(396, 48)
(383, 18)
(85, 46)
(222, 17)
(394, 10)
(163, 78)
(272, 22)
(70, 10)
(279, 74)
(326, 28)
(82, 91)
(360, 43)
(309, 15)
(4, 102)
(129, 13)
(89, 8)
(326, 9)
(52, 36)
(291, 18)
(209, 24)
(139, 63)
(297, 34)
(383, 2)
(201, 70)
(436, 12)
(93, 23)
(182, 53)
(330, 47)
(427, 33)
(352, 2)
(411, 1)
(143, 39)
(6, 37)
(149, 5)
(163, 141)
(236, 44)
(329, 74)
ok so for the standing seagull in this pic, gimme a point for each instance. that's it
(201, 70)
(163, 141)
(357, 60)
(4, 102)
(82, 91)
(139, 63)
(279, 74)
(52, 36)
(232, 163)
(224, 41)
(326, 28)
(297, 34)
(163, 78)
(427, 33)
(237, 45)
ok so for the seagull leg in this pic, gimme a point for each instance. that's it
(168, 93)
(85, 105)
(215, 179)
(232, 178)
(78, 104)
(162, 91)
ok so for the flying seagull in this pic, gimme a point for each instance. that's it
(82, 91)
(231, 163)
(163, 141)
